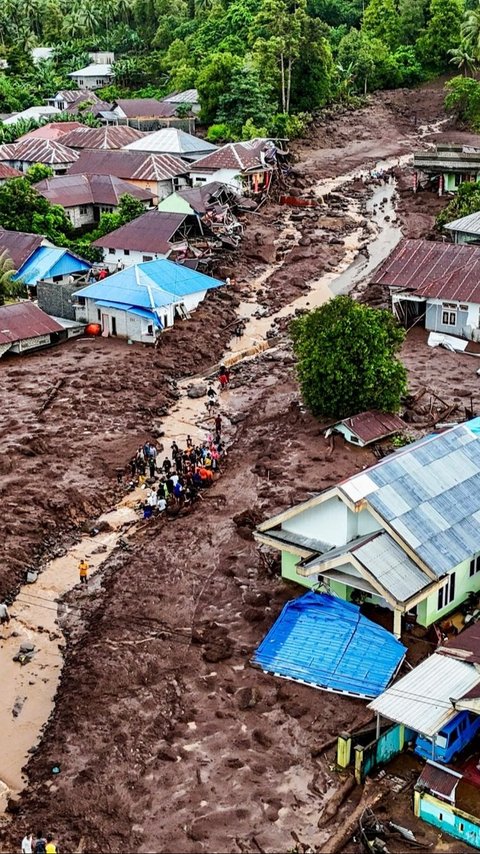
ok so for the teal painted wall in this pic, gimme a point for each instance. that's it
(449, 820)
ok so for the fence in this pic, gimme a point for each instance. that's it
(379, 751)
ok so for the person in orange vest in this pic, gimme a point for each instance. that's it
(83, 570)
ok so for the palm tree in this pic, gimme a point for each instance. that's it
(463, 57)
(471, 29)
(7, 272)
(88, 19)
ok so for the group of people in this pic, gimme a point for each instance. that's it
(40, 845)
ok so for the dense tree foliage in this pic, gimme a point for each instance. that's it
(23, 209)
(346, 358)
(466, 201)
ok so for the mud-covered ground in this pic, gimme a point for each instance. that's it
(167, 739)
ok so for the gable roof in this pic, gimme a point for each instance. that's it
(153, 284)
(71, 96)
(188, 96)
(172, 141)
(24, 320)
(20, 245)
(7, 172)
(144, 108)
(47, 261)
(242, 156)
(428, 496)
(36, 113)
(109, 137)
(192, 200)
(327, 643)
(422, 700)
(93, 70)
(52, 131)
(73, 190)
(469, 224)
(38, 151)
(132, 166)
(372, 426)
(151, 232)
(437, 270)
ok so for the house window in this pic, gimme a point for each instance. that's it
(126, 251)
(449, 314)
(463, 307)
(461, 827)
(446, 594)
(111, 251)
(81, 300)
(474, 566)
(147, 258)
(99, 314)
(83, 211)
(150, 329)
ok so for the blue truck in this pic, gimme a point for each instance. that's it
(455, 736)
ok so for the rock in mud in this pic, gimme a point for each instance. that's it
(18, 706)
(247, 698)
(27, 646)
(194, 391)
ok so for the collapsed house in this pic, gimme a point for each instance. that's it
(155, 234)
(445, 167)
(245, 167)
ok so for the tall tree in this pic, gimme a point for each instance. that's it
(7, 272)
(282, 36)
(347, 358)
(381, 21)
(442, 34)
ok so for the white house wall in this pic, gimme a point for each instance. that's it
(326, 522)
(128, 260)
(225, 176)
(79, 219)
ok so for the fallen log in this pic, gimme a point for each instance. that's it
(50, 396)
(336, 801)
(373, 793)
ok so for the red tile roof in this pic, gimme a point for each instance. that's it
(110, 137)
(144, 108)
(7, 172)
(38, 151)
(19, 245)
(151, 232)
(243, 156)
(73, 190)
(52, 131)
(373, 426)
(24, 320)
(132, 166)
(438, 270)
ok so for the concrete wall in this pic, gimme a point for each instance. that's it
(92, 82)
(226, 176)
(128, 325)
(448, 818)
(450, 179)
(81, 216)
(129, 259)
(56, 298)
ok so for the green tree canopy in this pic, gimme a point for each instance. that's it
(23, 209)
(465, 202)
(442, 34)
(37, 172)
(347, 358)
(7, 272)
(381, 21)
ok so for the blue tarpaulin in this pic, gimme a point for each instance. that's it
(325, 642)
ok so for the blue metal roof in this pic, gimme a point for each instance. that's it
(430, 495)
(152, 284)
(141, 312)
(327, 643)
(49, 261)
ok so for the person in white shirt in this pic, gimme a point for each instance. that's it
(4, 615)
(27, 844)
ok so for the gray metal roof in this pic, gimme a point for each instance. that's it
(393, 569)
(289, 537)
(430, 495)
(422, 699)
(468, 224)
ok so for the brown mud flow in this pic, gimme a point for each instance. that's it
(166, 739)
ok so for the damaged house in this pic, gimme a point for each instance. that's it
(402, 534)
(153, 235)
(245, 167)
(436, 285)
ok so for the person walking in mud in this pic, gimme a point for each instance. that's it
(83, 571)
(4, 615)
(27, 844)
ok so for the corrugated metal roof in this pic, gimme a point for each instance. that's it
(438, 779)
(20, 245)
(152, 284)
(110, 137)
(372, 426)
(429, 494)
(327, 643)
(53, 130)
(468, 224)
(144, 108)
(295, 539)
(93, 70)
(189, 96)
(383, 558)
(48, 261)
(243, 156)
(130, 165)
(465, 646)
(24, 320)
(192, 199)
(422, 699)
(38, 151)
(437, 270)
(7, 172)
(171, 141)
(73, 190)
(153, 231)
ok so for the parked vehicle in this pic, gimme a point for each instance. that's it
(451, 740)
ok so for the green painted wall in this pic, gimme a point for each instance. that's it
(449, 185)
(289, 572)
(463, 585)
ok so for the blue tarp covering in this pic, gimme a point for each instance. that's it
(327, 643)
(152, 316)
(49, 261)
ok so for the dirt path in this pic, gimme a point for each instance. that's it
(220, 756)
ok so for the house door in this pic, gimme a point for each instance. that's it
(114, 325)
(105, 325)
